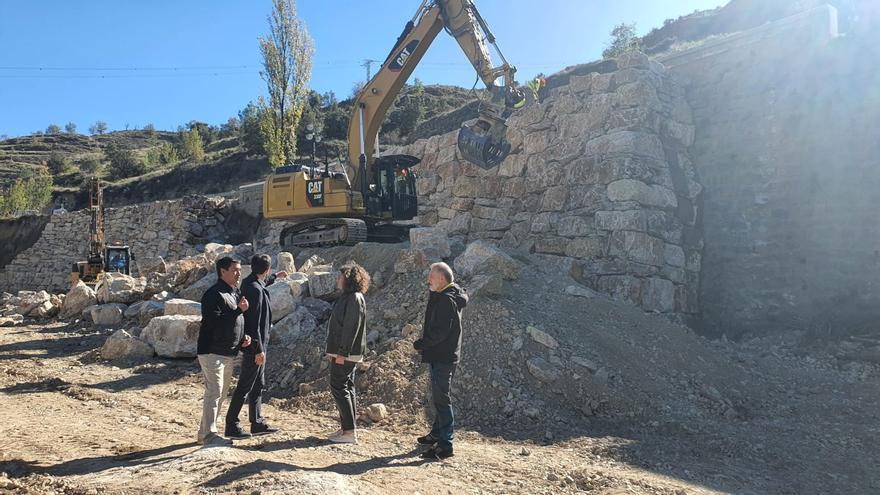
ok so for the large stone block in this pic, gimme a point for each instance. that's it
(658, 295)
(122, 345)
(182, 307)
(300, 323)
(513, 165)
(637, 246)
(621, 220)
(285, 262)
(621, 287)
(120, 288)
(483, 225)
(285, 294)
(78, 298)
(107, 314)
(554, 198)
(585, 247)
(544, 222)
(574, 226)
(543, 370)
(322, 283)
(674, 255)
(410, 260)
(634, 190)
(30, 301)
(626, 143)
(173, 336)
(433, 242)
(482, 257)
(550, 245)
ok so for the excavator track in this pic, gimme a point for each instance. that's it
(324, 232)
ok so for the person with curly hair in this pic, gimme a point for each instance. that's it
(346, 345)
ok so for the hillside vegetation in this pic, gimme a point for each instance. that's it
(148, 164)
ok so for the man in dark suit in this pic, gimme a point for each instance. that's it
(257, 323)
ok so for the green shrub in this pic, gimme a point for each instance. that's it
(123, 162)
(623, 40)
(58, 164)
(31, 193)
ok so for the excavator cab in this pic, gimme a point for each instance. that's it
(392, 191)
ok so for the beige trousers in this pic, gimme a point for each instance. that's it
(217, 371)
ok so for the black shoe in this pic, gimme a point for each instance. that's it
(427, 440)
(235, 431)
(437, 453)
(263, 429)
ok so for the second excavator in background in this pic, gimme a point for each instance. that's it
(364, 198)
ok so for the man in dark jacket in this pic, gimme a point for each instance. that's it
(221, 336)
(440, 346)
(257, 323)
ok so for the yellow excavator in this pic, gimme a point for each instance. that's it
(102, 257)
(365, 198)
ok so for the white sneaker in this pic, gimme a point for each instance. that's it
(346, 437)
(215, 440)
(335, 434)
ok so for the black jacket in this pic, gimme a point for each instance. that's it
(347, 328)
(222, 330)
(441, 333)
(258, 318)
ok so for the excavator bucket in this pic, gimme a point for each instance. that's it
(481, 147)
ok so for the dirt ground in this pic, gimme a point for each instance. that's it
(73, 424)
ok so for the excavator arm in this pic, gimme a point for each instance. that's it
(483, 143)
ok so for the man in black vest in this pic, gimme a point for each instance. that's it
(257, 323)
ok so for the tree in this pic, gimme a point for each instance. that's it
(191, 145)
(287, 67)
(413, 109)
(150, 129)
(58, 164)
(123, 162)
(26, 193)
(205, 131)
(163, 154)
(91, 165)
(53, 129)
(249, 133)
(231, 128)
(98, 128)
(623, 40)
(70, 128)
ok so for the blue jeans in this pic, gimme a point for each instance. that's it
(444, 420)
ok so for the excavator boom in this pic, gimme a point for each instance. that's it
(483, 143)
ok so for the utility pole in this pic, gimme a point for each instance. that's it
(368, 63)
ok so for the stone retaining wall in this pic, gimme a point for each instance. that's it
(600, 173)
(171, 229)
(787, 124)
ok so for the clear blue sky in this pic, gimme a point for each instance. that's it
(213, 45)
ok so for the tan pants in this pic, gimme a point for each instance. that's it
(217, 371)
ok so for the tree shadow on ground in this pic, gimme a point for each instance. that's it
(91, 465)
(163, 371)
(347, 468)
(47, 385)
(51, 347)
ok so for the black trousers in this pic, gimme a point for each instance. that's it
(444, 419)
(250, 385)
(342, 388)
